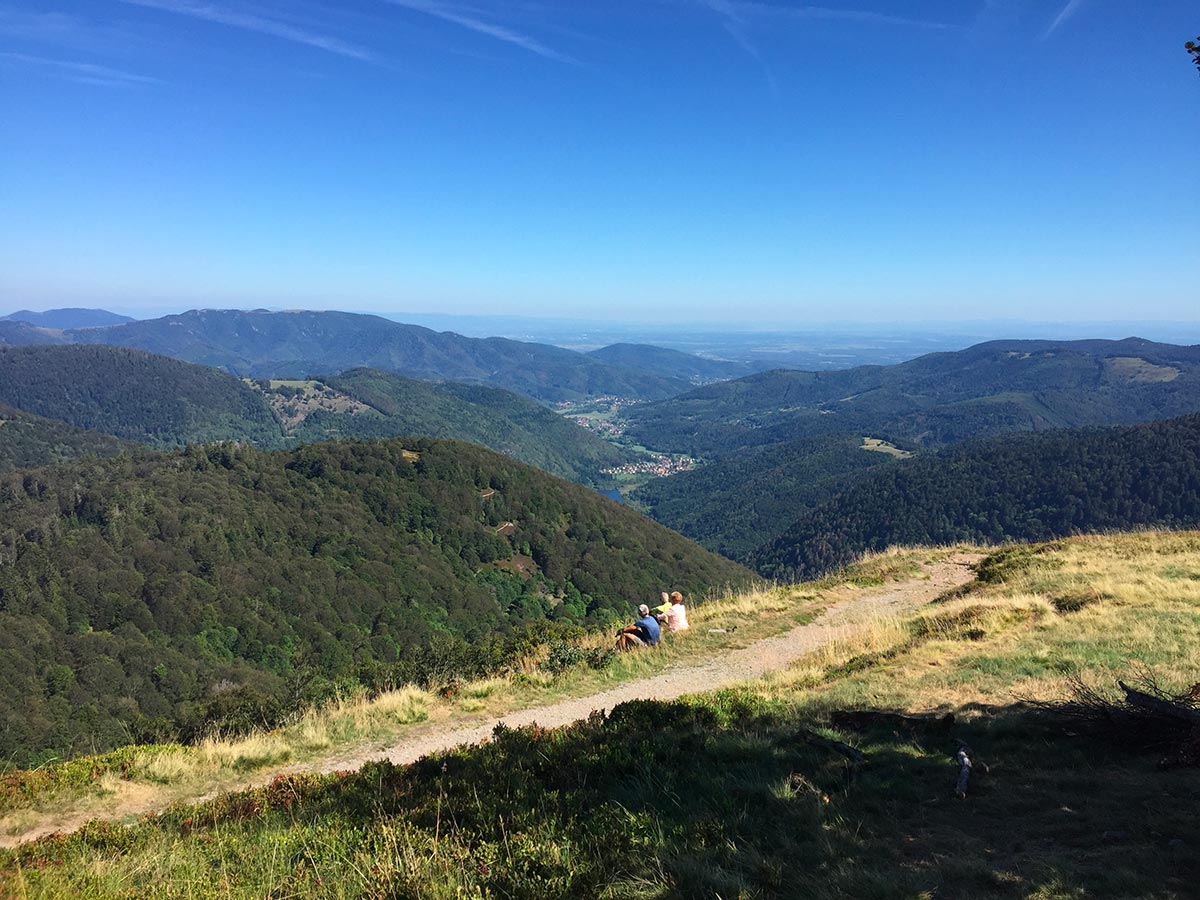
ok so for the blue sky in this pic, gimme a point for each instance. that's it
(650, 160)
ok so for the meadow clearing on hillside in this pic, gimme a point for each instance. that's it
(737, 793)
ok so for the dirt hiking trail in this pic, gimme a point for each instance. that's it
(842, 619)
(852, 610)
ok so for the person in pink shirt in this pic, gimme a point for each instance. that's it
(675, 615)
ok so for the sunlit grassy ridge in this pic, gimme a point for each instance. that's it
(720, 795)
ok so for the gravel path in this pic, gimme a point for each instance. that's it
(839, 621)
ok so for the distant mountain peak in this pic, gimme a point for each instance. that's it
(67, 317)
(274, 344)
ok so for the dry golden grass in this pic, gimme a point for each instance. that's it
(1097, 607)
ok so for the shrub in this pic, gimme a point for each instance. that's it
(565, 656)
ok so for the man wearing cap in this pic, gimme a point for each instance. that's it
(642, 633)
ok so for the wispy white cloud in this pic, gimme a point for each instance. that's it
(738, 15)
(470, 20)
(734, 21)
(36, 26)
(1064, 14)
(865, 17)
(87, 73)
(258, 23)
(67, 31)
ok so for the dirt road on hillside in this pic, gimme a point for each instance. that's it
(841, 619)
(851, 611)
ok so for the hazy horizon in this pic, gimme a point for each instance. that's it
(709, 338)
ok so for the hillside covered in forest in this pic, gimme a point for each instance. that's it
(1019, 487)
(28, 441)
(156, 595)
(134, 395)
(383, 405)
(776, 444)
(934, 400)
(80, 396)
(744, 499)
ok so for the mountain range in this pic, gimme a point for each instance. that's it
(775, 445)
(934, 400)
(780, 443)
(263, 344)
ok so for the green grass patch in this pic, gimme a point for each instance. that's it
(25, 788)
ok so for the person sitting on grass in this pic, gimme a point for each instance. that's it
(642, 633)
(674, 616)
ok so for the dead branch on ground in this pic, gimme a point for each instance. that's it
(1146, 717)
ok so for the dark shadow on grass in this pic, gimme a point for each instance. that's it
(718, 796)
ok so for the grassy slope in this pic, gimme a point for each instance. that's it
(715, 796)
(60, 792)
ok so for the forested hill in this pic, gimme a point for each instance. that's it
(167, 403)
(497, 419)
(937, 399)
(134, 395)
(27, 441)
(1026, 487)
(300, 343)
(70, 317)
(741, 501)
(20, 334)
(139, 594)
